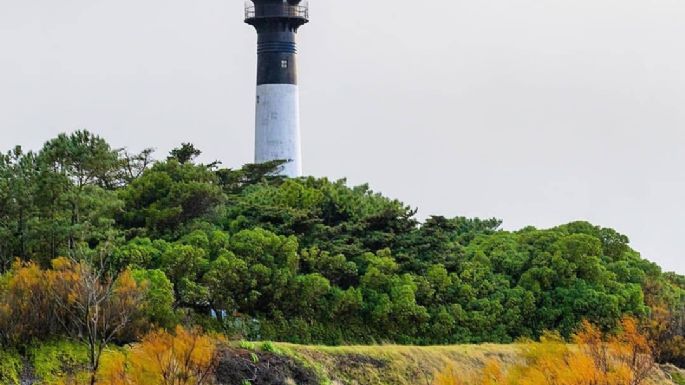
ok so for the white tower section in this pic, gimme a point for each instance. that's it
(277, 131)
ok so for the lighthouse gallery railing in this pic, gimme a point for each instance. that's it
(276, 10)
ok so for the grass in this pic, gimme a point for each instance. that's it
(54, 360)
(679, 379)
(396, 365)
(414, 365)
(343, 365)
(677, 375)
(10, 368)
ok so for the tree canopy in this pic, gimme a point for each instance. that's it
(245, 251)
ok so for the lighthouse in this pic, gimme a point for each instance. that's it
(277, 120)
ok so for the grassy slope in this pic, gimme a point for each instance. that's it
(348, 365)
(397, 365)
(403, 365)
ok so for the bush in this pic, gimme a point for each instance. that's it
(10, 368)
(268, 346)
(186, 357)
(597, 358)
(247, 345)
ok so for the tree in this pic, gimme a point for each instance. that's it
(167, 196)
(664, 325)
(308, 259)
(184, 265)
(78, 171)
(158, 301)
(96, 307)
(632, 347)
(229, 284)
(18, 184)
(184, 154)
(82, 157)
(134, 165)
(236, 181)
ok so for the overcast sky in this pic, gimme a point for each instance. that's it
(538, 112)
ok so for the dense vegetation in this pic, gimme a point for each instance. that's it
(246, 252)
(621, 359)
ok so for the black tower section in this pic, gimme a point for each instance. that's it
(276, 22)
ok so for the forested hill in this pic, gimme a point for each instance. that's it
(311, 260)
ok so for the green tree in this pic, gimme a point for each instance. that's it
(184, 154)
(167, 196)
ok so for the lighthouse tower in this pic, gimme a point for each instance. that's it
(277, 123)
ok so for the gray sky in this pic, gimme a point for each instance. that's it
(538, 112)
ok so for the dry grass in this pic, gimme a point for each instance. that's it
(407, 365)
(398, 365)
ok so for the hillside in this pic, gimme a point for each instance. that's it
(395, 364)
(249, 252)
(287, 364)
(413, 365)
(150, 244)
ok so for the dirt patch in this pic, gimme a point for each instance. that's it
(261, 368)
(28, 377)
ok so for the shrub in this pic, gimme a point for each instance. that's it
(10, 368)
(186, 357)
(268, 346)
(621, 359)
(450, 375)
(247, 345)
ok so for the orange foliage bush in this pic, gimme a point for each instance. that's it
(450, 375)
(492, 374)
(26, 304)
(68, 299)
(597, 359)
(74, 299)
(186, 357)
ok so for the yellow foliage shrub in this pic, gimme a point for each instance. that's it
(492, 374)
(595, 359)
(186, 357)
(449, 376)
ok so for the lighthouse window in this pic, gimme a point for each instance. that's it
(284, 64)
